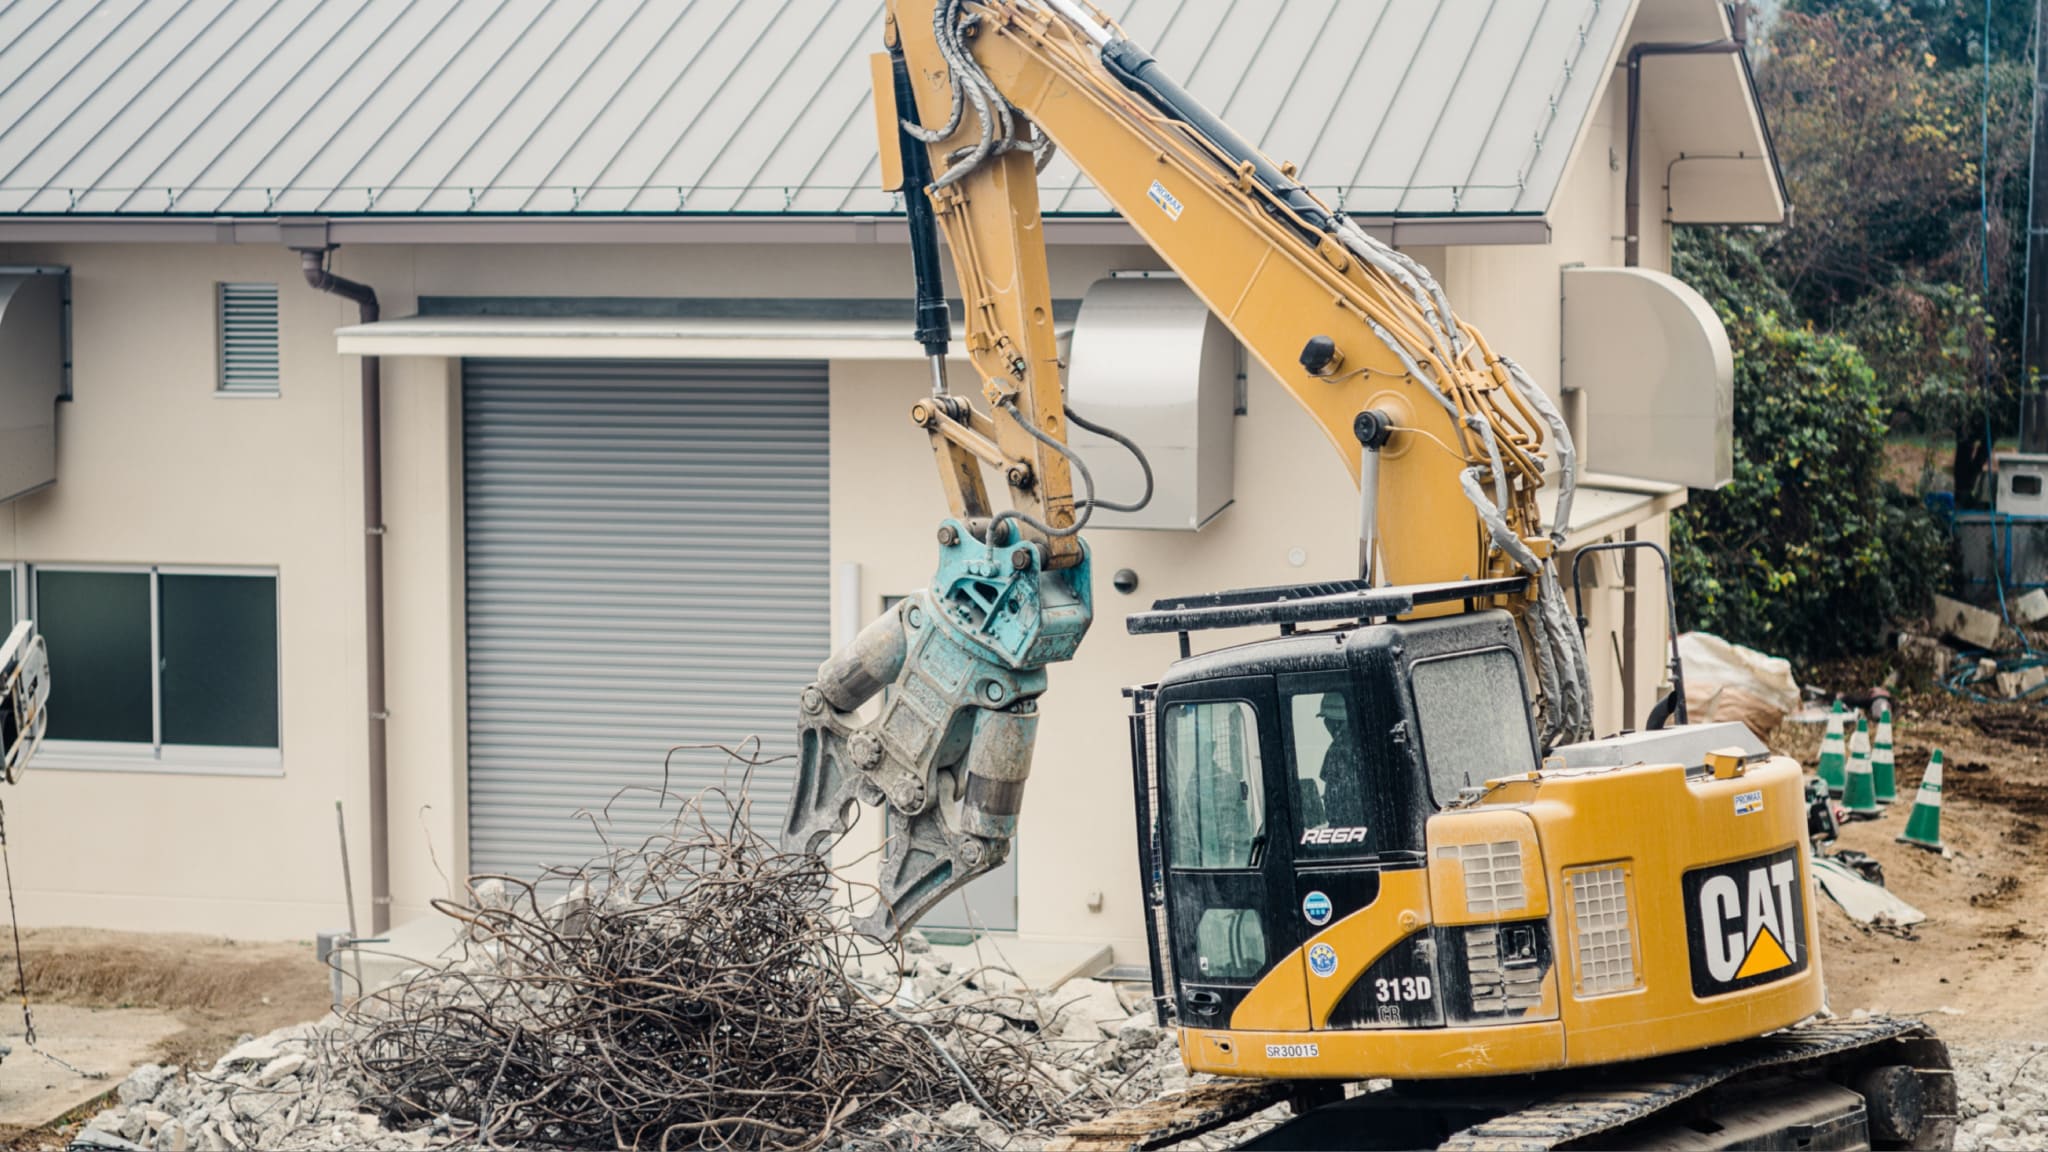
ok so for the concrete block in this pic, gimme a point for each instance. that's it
(1938, 657)
(2033, 607)
(1971, 625)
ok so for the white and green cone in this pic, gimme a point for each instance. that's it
(1859, 794)
(1834, 753)
(1883, 764)
(1923, 827)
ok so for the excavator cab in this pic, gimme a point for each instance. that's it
(1282, 781)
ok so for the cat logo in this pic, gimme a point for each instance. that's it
(1745, 923)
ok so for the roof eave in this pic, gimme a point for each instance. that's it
(1403, 231)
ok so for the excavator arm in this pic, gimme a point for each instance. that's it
(1447, 440)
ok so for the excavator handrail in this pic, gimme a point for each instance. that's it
(1309, 604)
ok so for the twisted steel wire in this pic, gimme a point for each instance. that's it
(694, 990)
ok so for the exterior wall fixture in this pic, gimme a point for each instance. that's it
(33, 356)
(313, 261)
(1150, 361)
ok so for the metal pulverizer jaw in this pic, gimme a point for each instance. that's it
(959, 667)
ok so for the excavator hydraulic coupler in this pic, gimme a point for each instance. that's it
(959, 667)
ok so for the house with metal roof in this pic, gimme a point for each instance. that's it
(451, 407)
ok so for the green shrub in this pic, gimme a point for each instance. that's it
(1810, 552)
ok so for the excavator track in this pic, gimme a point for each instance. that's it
(1879, 1082)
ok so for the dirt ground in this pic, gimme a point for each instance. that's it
(217, 989)
(1977, 969)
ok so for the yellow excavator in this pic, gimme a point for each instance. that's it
(1381, 843)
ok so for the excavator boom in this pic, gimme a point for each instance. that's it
(970, 98)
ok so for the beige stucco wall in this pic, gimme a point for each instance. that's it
(155, 469)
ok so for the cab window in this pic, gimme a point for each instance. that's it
(1474, 719)
(1330, 793)
(1216, 789)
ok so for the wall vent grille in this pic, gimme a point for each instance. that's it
(248, 339)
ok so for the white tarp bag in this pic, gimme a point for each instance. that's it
(1726, 681)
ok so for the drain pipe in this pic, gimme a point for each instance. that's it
(1733, 45)
(314, 262)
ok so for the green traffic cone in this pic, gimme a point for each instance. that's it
(1883, 765)
(1923, 827)
(1859, 794)
(1833, 761)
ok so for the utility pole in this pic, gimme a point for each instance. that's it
(2034, 328)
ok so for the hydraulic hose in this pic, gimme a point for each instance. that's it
(1130, 446)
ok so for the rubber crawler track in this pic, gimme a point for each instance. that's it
(1609, 1099)
(1576, 1116)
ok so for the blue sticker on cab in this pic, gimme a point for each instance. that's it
(1316, 908)
(1322, 960)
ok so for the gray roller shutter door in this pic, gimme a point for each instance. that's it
(648, 566)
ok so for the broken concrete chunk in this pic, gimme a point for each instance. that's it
(2033, 607)
(99, 1138)
(252, 1053)
(961, 1117)
(142, 1085)
(1972, 625)
(1140, 1030)
(280, 1068)
(1938, 657)
(1093, 1002)
(570, 915)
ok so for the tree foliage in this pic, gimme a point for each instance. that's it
(1881, 113)
(1809, 551)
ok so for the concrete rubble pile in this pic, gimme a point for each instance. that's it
(1998, 661)
(2003, 1093)
(703, 989)
(287, 1090)
(275, 1091)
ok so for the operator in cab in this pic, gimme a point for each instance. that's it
(1342, 773)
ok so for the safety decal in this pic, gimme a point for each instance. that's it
(1745, 923)
(1168, 203)
(1322, 960)
(1316, 908)
(1749, 803)
(1293, 1051)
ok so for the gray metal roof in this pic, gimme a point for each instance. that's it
(665, 107)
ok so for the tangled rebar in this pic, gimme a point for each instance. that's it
(694, 990)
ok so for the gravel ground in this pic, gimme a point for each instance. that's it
(2003, 1090)
(271, 1093)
